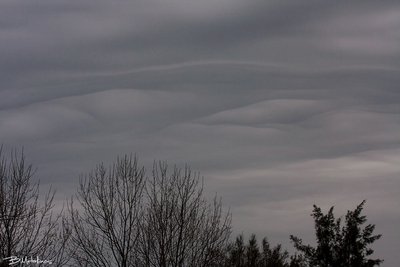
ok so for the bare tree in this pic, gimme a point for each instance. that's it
(28, 227)
(126, 219)
(105, 225)
(181, 228)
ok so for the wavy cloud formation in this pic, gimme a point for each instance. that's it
(279, 104)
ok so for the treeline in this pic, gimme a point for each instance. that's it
(338, 245)
(123, 216)
(242, 254)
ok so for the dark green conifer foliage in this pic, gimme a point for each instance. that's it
(252, 252)
(340, 245)
(274, 257)
(251, 255)
(237, 253)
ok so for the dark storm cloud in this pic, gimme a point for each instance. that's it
(279, 104)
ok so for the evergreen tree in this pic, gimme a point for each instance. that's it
(251, 255)
(236, 253)
(252, 252)
(337, 245)
(274, 257)
(297, 261)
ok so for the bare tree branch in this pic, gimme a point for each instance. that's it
(105, 225)
(181, 228)
(28, 228)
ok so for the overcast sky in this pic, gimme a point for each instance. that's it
(279, 104)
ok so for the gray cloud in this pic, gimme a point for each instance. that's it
(279, 104)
